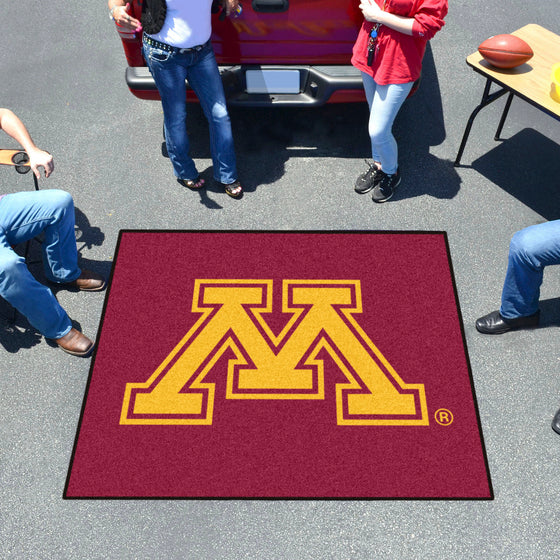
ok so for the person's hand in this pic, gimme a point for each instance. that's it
(125, 20)
(39, 158)
(230, 6)
(371, 11)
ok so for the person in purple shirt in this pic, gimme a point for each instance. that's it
(25, 215)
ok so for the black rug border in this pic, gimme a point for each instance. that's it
(443, 233)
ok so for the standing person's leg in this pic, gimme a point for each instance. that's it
(204, 77)
(366, 181)
(384, 103)
(169, 72)
(387, 101)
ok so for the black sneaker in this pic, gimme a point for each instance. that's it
(366, 181)
(386, 186)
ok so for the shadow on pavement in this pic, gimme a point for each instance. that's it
(14, 337)
(527, 166)
(420, 125)
(550, 312)
(265, 138)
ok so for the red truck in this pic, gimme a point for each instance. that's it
(277, 52)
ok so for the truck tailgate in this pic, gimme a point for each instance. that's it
(288, 32)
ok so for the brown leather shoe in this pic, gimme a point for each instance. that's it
(88, 281)
(75, 343)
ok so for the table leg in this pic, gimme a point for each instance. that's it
(487, 98)
(504, 116)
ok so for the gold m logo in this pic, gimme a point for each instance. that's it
(270, 366)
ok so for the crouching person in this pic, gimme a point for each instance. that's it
(25, 215)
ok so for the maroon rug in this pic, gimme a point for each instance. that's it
(280, 365)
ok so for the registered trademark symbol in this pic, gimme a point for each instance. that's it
(443, 417)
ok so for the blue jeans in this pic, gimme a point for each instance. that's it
(170, 70)
(25, 215)
(384, 104)
(530, 250)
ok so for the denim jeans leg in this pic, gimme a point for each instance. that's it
(530, 251)
(169, 71)
(24, 215)
(385, 102)
(31, 298)
(205, 80)
(20, 221)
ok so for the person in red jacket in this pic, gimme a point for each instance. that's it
(389, 51)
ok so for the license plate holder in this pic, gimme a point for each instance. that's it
(272, 81)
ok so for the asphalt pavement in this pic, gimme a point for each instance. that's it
(63, 73)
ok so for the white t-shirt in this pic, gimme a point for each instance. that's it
(187, 23)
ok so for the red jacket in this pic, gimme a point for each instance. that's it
(398, 57)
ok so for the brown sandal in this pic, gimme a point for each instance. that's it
(193, 184)
(235, 190)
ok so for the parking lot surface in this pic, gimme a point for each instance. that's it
(63, 74)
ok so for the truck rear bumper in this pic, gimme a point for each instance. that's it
(317, 85)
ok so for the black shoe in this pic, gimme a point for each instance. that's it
(556, 422)
(386, 187)
(494, 323)
(366, 181)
